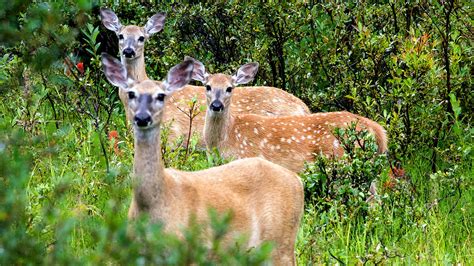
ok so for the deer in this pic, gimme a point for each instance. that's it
(132, 40)
(286, 140)
(248, 100)
(266, 199)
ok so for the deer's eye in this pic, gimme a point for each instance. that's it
(141, 39)
(229, 89)
(131, 95)
(161, 97)
(208, 88)
(120, 36)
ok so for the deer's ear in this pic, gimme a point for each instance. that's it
(199, 71)
(110, 20)
(114, 71)
(245, 74)
(155, 23)
(179, 76)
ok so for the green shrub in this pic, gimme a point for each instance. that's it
(345, 181)
(65, 185)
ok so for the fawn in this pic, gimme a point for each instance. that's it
(266, 199)
(286, 140)
(252, 100)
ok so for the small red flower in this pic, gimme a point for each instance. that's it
(114, 138)
(113, 134)
(397, 173)
(80, 67)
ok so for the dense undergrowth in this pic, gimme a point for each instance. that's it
(66, 152)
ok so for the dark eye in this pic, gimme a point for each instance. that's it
(141, 39)
(120, 37)
(208, 88)
(161, 97)
(229, 89)
(131, 95)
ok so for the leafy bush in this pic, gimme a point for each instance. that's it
(65, 185)
(345, 182)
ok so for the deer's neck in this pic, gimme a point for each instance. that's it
(135, 67)
(149, 176)
(216, 129)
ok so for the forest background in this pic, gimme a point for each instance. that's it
(66, 152)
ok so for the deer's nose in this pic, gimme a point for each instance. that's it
(142, 119)
(128, 52)
(217, 106)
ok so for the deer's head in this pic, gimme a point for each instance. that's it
(146, 99)
(219, 87)
(132, 38)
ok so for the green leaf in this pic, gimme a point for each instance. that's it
(455, 105)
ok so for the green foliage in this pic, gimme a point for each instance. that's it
(345, 182)
(64, 177)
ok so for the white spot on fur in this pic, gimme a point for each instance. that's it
(335, 143)
(255, 130)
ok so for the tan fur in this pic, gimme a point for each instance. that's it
(288, 140)
(266, 199)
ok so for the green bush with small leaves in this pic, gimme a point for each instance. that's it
(66, 152)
